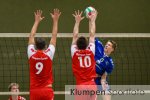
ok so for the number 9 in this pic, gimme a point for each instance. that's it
(39, 67)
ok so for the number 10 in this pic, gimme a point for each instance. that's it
(86, 60)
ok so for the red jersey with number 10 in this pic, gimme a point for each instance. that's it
(40, 66)
(83, 64)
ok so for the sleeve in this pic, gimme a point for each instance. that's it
(110, 66)
(73, 49)
(99, 49)
(23, 98)
(92, 47)
(50, 51)
(31, 50)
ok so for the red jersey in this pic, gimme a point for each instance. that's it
(19, 98)
(40, 66)
(83, 64)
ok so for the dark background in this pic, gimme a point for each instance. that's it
(115, 16)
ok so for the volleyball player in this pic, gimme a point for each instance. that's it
(14, 88)
(104, 64)
(41, 59)
(82, 52)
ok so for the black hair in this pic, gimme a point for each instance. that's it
(40, 43)
(82, 43)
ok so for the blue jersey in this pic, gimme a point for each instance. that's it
(104, 63)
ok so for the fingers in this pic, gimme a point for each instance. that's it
(77, 13)
(81, 13)
(38, 12)
(56, 11)
(74, 15)
(55, 14)
(51, 14)
(42, 18)
(82, 18)
(34, 13)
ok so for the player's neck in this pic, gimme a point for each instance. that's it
(107, 54)
(14, 97)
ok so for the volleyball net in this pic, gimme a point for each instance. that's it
(131, 59)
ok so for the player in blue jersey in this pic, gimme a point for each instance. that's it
(104, 63)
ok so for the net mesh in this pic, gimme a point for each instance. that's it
(131, 60)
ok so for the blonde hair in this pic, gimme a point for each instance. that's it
(11, 85)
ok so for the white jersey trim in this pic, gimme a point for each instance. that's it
(92, 47)
(74, 48)
(31, 50)
(49, 51)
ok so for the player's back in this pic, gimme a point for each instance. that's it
(40, 68)
(83, 65)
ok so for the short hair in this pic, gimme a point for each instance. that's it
(114, 44)
(82, 43)
(11, 85)
(40, 43)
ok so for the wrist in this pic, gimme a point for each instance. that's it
(55, 20)
(103, 80)
(77, 22)
(36, 22)
(92, 22)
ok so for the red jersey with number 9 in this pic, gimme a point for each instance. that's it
(40, 66)
(83, 64)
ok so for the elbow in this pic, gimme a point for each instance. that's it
(54, 35)
(75, 35)
(92, 35)
(32, 35)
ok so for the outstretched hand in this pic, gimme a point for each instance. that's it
(93, 16)
(38, 16)
(78, 16)
(55, 15)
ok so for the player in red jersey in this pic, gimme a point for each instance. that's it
(14, 87)
(83, 62)
(40, 59)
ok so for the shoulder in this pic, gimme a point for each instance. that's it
(73, 49)
(98, 43)
(21, 98)
(74, 46)
(31, 50)
(50, 48)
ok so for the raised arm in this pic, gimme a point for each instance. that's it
(78, 18)
(38, 19)
(92, 26)
(55, 16)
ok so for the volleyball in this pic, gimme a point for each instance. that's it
(88, 11)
